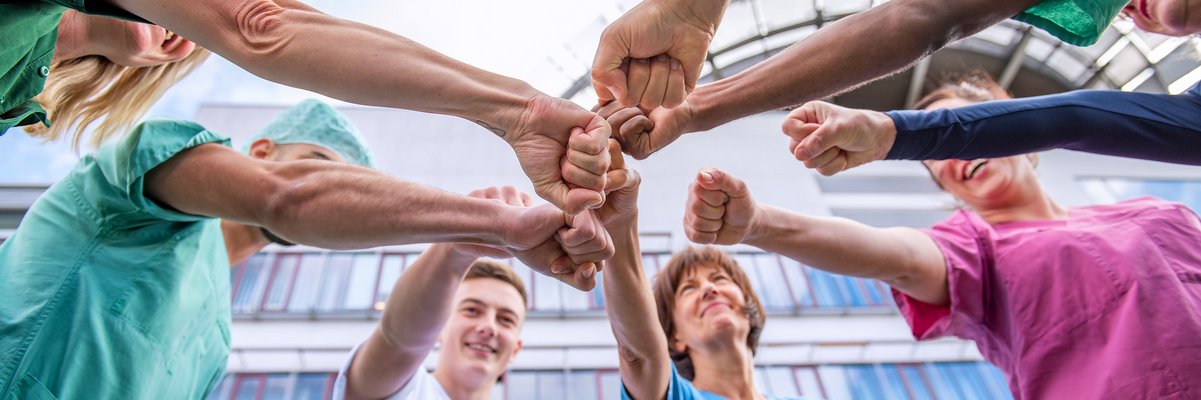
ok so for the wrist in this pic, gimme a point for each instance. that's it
(453, 256)
(704, 14)
(759, 225)
(701, 103)
(504, 107)
(886, 134)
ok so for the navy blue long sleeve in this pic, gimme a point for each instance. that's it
(1137, 125)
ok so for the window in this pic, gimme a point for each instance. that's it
(1111, 190)
(329, 284)
(954, 380)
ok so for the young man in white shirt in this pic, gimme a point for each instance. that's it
(473, 308)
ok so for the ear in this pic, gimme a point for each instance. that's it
(678, 345)
(516, 349)
(263, 149)
(1033, 158)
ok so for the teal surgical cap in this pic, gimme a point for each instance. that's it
(316, 123)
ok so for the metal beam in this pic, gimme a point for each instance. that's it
(917, 82)
(1015, 59)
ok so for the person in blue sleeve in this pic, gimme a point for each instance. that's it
(694, 336)
(116, 283)
(1157, 127)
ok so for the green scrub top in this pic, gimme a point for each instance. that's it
(1076, 22)
(107, 295)
(30, 30)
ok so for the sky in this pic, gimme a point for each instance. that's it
(547, 43)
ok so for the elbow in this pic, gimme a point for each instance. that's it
(259, 32)
(936, 23)
(286, 193)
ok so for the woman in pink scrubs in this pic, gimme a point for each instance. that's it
(1081, 303)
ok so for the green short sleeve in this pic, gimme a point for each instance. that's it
(125, 163)
(96, 7)
(1077, 22)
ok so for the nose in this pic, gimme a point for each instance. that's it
(486, 329)
(708, 290)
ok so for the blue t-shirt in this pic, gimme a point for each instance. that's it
(1157, 127)
(679, 388)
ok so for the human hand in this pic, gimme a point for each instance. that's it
(621, 198)
(531, 233)
(652, 55)
(719, 209)
(563, 149)
(641, 135)
(507, 195)
(833, 139)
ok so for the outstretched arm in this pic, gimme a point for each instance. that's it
(641, 344)
(341, 206)
(720, 210)
(288, 42)
(1155, 127)
(852, 51)
(420, 303)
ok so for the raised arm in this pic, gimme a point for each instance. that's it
(341, 206)
(296, 45)
(852, 51)
(641, 345)
(1157, 127)
(420, 303)
(720, 210)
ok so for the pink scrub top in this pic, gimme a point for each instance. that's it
(1103, 305)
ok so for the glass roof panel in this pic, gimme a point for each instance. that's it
(777, 14)
(738, 24)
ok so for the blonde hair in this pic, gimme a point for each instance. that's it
(84, 90)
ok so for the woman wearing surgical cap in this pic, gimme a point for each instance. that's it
(1099, 302)
(116, 283)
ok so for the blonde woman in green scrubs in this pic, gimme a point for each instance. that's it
(116, 284)
(289, 42)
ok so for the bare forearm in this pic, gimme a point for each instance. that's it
(903, 257)
(297, 46)
(416, 311)
(852, 51)
(345, 207)
(631, 309)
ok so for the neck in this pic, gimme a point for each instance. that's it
(727, 370)
(1035, 207)
(464, 389)
(73, 39)
(242, 241)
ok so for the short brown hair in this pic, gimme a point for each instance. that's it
(491, 269)
(680, 265)
(975, 86)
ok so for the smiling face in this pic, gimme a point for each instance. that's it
(988, 183)
(705, 300)
(1168, 17)
(134, 44)
(709, 309)
(480, 339)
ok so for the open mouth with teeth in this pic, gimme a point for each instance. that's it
(481, 348)
(972, 168)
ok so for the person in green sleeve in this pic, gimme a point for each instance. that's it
(292, 43)
(74, 68)
(116, 283)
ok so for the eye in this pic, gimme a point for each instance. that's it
(686, 288)
(508, 321)
(471, 311)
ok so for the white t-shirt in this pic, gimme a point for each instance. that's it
(422, 386)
